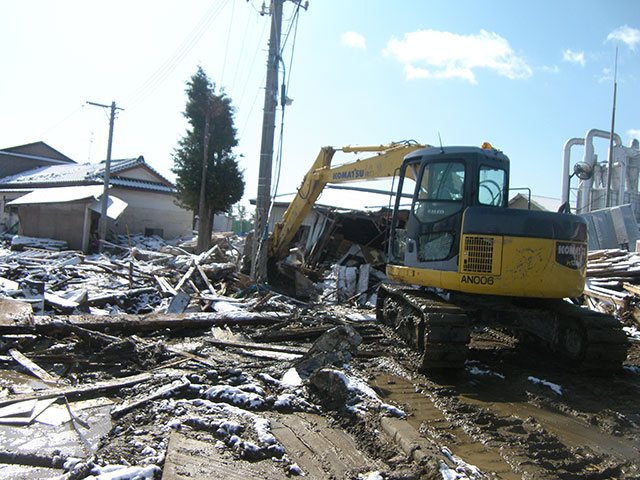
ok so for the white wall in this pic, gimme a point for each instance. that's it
(151, 210)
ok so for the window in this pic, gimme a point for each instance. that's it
(440, 191)
(491, 186)
(434, 246)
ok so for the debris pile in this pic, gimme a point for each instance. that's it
(613, 281)
(145, 276)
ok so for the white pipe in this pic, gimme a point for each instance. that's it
(566, 173)
(590, 158)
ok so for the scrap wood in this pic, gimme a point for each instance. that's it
(206, 280)
(635, 289)
(185, 355)
(173, 387)
(80, 389)
(89, 335)
(591, 292)
(186, 276)
(32, 367)
(32, 459)
(164, 285)
(256, 346)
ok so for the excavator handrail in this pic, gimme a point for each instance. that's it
(383, 165)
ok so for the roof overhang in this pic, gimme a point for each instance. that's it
(93, 193)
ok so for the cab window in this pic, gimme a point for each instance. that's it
(491, 185)
(440, 191)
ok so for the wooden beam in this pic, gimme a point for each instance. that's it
(32, 367)
(130, 322)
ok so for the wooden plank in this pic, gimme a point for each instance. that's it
(206, 280)
(189, 459)
(32, 367)
(607, 298)
(319, 450)
(256, 346)
(79, 389)
(186, 277)
(173, 387)
(635, 289)
(131, 322)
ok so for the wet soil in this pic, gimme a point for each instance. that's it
(513, 412)
(520, 413)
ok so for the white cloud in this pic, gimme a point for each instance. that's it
(436, 54)
(606, 75)
(554, 69)
(634, 133)
(626, 34)
(573, 57)
(353, 39)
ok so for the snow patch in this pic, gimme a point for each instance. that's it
(553, 386)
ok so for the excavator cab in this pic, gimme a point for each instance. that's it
(451, 229)
(447, 182)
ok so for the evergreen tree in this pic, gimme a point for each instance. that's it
(224, 184)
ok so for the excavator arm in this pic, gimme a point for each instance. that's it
(385, 163)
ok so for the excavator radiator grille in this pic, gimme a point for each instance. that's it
(477, 254)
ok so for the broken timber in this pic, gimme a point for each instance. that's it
(80, 389)
(126, 322)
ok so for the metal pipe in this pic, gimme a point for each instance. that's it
(590, 158)
(566, 168)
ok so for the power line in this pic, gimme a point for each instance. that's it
(155, 80)
(244, 39)
(253, 61)
(56, 125)
(226, 50)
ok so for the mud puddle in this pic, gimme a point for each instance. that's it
(570, 431)
(425, 417)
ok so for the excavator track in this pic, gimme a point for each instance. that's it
(440, 330)
(590, 340)
(428, 324)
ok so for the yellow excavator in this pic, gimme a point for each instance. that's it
(458, 258)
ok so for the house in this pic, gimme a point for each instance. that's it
(534, 202)
(26, 157)
(64, 200)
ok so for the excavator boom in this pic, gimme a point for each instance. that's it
(385, 163)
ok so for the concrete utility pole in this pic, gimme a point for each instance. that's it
(107, 171)
(203, 242)
(259, 264)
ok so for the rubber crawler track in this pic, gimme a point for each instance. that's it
(440, 330)
(428, 324)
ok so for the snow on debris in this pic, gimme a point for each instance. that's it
(463, 470)
(371, 476)
(632, 332)
(553, 386)
(235, 396)
(475, 370)
(362, 392)
(122, 472)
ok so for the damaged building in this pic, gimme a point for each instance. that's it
(46, 194)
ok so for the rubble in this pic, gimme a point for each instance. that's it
(149, 361)
(613, 283)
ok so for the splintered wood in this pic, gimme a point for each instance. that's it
(613, 277)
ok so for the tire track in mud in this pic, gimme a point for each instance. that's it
(425, 417)
(511, 428)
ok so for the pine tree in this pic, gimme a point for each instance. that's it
(224, 184)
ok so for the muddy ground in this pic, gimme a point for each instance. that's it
(512, 413)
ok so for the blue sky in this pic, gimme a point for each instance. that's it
(525, 76)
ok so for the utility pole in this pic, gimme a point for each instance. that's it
(259, 264)
(203, 242)
(107, 171)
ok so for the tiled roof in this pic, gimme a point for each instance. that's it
(87, 173)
